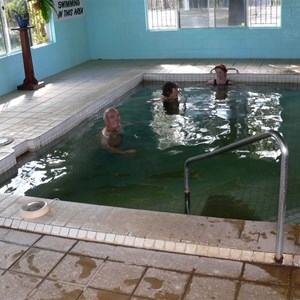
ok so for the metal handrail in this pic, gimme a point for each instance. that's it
(283, 179)
(228, 69)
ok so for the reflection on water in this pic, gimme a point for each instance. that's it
(206, 117)
(38, 172)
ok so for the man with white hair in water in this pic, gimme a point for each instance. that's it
(111, 136)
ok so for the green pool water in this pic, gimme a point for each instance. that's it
(243, 184)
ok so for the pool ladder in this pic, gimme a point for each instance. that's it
(283, 179)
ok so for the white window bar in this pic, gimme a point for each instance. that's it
(165, 14)
(162, 14)
(263, 13)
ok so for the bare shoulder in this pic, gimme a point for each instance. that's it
(102, 136)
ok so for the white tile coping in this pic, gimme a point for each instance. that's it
(44, 225)
(240, 77)
(152, 244)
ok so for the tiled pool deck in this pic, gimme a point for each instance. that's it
(79, 251)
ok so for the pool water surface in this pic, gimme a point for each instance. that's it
(243, 184)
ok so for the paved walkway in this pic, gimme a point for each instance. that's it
(79, 251)
(35, 266)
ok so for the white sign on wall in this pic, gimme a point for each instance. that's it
(67, 9)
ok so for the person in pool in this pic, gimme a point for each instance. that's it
(111, 136)
(221, 76)
(170, 94)
(221, 82)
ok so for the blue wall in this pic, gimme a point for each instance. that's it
(120, 32)
(70, 49)
(116, 29)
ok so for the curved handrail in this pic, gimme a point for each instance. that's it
(283, 178)
(228, 69)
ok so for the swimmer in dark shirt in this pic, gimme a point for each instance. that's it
(221, 82)
(170, 97)
(221, 76)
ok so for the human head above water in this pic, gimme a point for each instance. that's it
(222, 67)
(221, 74)
(168, 87)
(112, 119)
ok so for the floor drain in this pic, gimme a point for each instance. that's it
(34, 209)
(5, 140)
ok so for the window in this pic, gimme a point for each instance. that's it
(2, 44)
(174, 14)
(264, 13)
(10, 39)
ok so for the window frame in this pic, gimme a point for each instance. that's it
(267, 10)
(34, 17)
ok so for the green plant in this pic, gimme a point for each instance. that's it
(45, 7)
(16, 7)
(17, 10)
(20, 7)
(38, 32)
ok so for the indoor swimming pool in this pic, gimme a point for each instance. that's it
(243, 184)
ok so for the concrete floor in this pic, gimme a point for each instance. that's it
(79, 251)
(36, 266)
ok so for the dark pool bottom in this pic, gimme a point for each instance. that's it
(243, 184)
